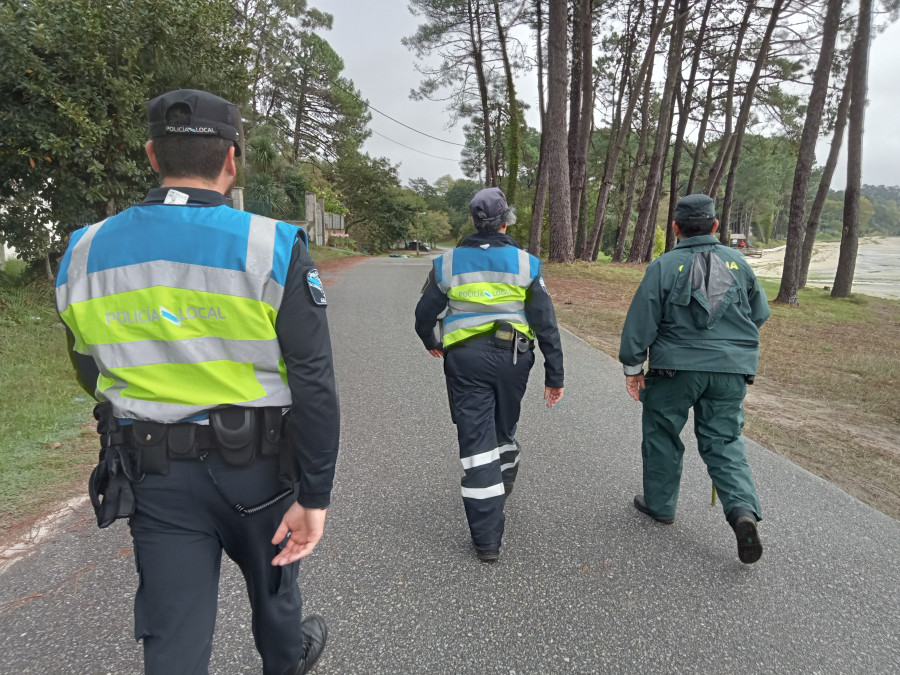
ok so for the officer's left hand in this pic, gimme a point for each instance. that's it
(305, 527)
(437, 353)
(553, 395)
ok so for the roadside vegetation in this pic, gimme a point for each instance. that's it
(828, 388)
(45, 414)
(322, 253)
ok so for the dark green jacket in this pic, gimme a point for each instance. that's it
(699, 307)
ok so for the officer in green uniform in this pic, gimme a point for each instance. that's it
(698, 311)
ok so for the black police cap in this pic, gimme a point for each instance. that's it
(695, 207)
(210, 115)
(488, 204)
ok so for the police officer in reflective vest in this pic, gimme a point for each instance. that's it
(202, 331)
(698, 311)
(496, 305)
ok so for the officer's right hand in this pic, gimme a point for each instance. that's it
(437, 353)
(634, 384)
(304, 528)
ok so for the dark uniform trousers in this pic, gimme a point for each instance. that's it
(182, 523)
(718, 403)
(486, 389)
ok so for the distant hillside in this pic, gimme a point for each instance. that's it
(879, 211)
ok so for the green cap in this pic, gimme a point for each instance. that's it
(696, 206)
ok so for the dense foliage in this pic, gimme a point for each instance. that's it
(73, 90)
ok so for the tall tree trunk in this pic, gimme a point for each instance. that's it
(625, 88)
(298, 120)
(725, 143)
(512, 152)
(242, 144)
(744, 118)
(646, 225)
(674, 177)
(592, 243)
(683, 116)
(859, 67)
(815, 211)
(701, 134)
(540, 193)
(790, 274)
(581, 123)
(474, 14)
(574, 96)
(651, 237)
(622, 234)
(562, 246)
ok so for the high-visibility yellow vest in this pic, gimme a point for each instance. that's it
(177, 306)
(484, 286)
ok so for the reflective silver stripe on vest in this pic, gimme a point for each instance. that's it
(449, 280)
(194, 350)
(480, 320)
(77, 271)
(173, 412)
(177, 275)
(260, 245)
(458, 306)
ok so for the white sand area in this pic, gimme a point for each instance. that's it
(877, 266)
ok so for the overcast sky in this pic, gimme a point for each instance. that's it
(367, 36)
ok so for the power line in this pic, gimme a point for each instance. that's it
(413, 149)
(371, 107)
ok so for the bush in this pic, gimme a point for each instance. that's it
(659, 243)
(12, 270)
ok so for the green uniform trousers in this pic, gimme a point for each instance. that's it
(718, 403)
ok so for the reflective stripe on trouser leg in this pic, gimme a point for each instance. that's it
(509, 461)
(470, 374)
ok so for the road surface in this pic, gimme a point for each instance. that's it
(586, 584)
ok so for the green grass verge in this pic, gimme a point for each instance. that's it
(42, 404)
(320, 254)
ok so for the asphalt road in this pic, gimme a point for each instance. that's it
(586, 584)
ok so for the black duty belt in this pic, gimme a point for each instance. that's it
(489, 340)
(504, 336)
(237, 434)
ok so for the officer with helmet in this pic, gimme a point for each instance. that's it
(496, 306)
(201, 330)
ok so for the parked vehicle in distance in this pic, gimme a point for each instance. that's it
(416, 245)
(744, 245)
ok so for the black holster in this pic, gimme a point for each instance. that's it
(237, 434)
(110, 483)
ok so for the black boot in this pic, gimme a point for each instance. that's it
(641, 506)
(743, 522)
(315, 633)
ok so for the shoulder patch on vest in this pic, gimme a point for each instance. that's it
(316, 289)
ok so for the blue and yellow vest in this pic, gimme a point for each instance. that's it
(177, 306)
(484, 286)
